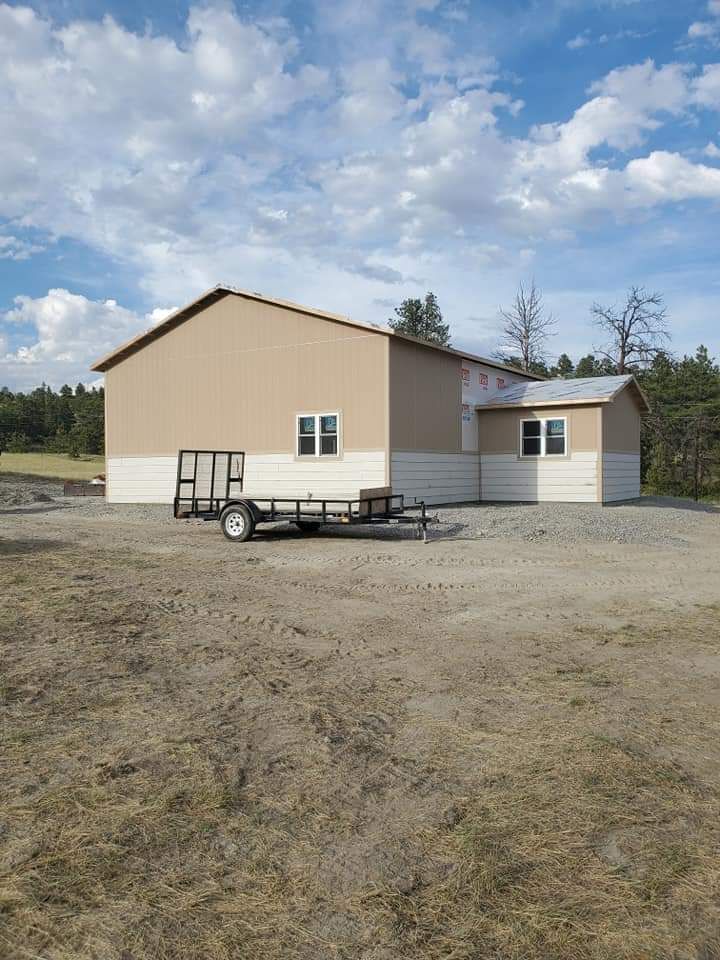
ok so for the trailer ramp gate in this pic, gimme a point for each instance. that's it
(207, 479)
(210, 482)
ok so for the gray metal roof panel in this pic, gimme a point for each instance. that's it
(584, 389)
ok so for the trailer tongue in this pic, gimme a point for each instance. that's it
(210, 487)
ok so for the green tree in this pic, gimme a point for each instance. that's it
(563, 368)
(422, 319)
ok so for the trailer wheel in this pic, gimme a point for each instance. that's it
(237, 523)
(307, 526)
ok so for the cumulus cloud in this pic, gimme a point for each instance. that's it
(68, 332)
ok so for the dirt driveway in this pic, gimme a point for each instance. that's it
(358, 747)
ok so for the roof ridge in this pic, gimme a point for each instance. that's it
(220, 290)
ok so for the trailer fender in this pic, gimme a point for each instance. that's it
(250, 505)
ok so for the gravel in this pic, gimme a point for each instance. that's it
(651, 520)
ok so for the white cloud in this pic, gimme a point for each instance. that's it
(706, 87)
(708, 30)
(69, 333)
(14, 248)
(579, 41)
(667, 176)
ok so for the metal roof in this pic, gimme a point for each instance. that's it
(221, 290)
(562, 392)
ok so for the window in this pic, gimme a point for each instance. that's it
(317, 435)
(531, 438)
(543, 438)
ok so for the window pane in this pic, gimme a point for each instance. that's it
(556, 428)
(531, 446)
(531, 428)
(328, 445)
(555, 445)
(307, 446)
(328, 424)
(306, 425)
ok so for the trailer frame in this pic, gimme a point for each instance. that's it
(308, 513)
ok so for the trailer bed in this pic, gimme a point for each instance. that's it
(210, 486)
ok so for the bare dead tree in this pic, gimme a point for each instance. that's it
(526, 328)
(636, 333)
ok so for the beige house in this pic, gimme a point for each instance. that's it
(328, 406)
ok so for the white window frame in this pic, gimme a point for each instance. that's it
(543, 421)
(317, 455)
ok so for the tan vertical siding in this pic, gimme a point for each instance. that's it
(621, 424)
(500, 429)
(425, 399)
(235, 375)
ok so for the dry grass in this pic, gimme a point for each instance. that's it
(207, 790)
(52, 465)
(576, 847)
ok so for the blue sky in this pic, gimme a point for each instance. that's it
(347, 155)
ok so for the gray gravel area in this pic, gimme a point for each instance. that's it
(650, 520)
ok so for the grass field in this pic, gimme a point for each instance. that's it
(52, 465)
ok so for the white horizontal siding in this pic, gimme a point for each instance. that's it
(506, 477)
(435, 477)
(621, 476)
(152, 479)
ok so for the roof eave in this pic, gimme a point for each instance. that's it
(632, 382)
(528, 404)
(176, 317)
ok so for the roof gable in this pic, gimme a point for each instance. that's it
(217, 293)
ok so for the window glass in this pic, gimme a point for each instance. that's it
(328, 424)
(307, 446)
(306, 436)
(531, 438)
(328, 435)
(555, 438)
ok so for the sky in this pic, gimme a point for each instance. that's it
(348, 155)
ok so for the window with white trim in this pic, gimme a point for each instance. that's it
(317, 434)
(543, 438)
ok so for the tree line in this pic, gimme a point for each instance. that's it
(69, 421)
(680, 441)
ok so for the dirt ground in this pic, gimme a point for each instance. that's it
(356, 747)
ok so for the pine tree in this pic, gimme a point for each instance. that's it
(422, 319)
(563, 368)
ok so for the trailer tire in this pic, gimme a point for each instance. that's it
(237, 523)
(307, 526)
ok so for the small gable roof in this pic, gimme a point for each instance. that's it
(550, 393)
